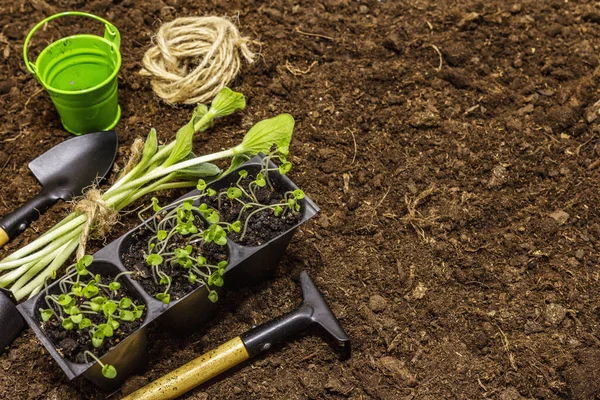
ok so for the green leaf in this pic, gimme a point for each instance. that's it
(277, 211)
(98, 337)
(213, 296)
(234, 193)
(67, 324)
(64, 300)
(201, 185)
(161, 235)
(260, 180)
(114, 324)
(164, 297)
(150, 146)
(106, 329)
(211, 192)
(226, 102)
(155, 207)
(138, 311)
(204, 170)
(243, 173)
(285, 167)
(99, 300)
(46, 314)
(114, 286)
(164, 280)
(126, 315)
(154, 259)
(77, 318)
(109, 308)
(298, 194)
(73, 311)
(125, 302)
(265, 134)
(85, 323)
(90, 290)
(183, 144)
(95, 307)
(213, 218)
(97, 278)
(236, 226)
(222, 264)
(109, 371)
(192, 278)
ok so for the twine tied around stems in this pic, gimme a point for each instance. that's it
(100, 217)
(194, 58)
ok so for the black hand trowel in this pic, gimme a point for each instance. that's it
(313, 311)
(63, 171)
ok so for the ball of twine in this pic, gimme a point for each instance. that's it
(194, 58)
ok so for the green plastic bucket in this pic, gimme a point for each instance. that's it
(79, 73)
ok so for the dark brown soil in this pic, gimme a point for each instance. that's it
(134, 259)
(453, 148)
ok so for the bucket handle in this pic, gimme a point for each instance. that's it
(111, 33)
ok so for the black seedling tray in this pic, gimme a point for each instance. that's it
(247, 265)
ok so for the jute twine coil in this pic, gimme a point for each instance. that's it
(194, 58)
(100, 217)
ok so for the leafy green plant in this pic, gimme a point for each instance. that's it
(159, 168)
(90, 304)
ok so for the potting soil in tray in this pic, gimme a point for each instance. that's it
(134, 259)
(264, 225)
(73, 344)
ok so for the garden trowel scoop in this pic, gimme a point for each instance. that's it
(63, 171)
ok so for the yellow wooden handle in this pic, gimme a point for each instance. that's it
(194, 373)
(3, 237)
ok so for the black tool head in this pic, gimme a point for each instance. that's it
(321, 313)
(11, 322)
(76, 163)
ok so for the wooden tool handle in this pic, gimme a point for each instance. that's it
(194, 373)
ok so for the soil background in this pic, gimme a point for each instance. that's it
(454, 150)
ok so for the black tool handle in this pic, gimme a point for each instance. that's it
(16, 222)
(262, 337)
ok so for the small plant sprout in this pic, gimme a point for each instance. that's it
(108, 370)
(177, 240)
(87, 304)
(159, 168)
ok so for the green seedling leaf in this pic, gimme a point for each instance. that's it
(291, 202)
(260, 180)
(98, 337)
(155, 207)
(243, 173)
(97, 278)
(213, 218)
(154, 259)
(64, 300)
(100, 300)
(77, 318)
(222, 265)
(215, 279)
(164, 297)
(161, 235)
(234, 193)
(226, 102)
(109, 308)
(187, 205)
(285, 167)
(283, 150)
(211, 192)
(85, 323)
(126, 315)
(165, 280)
(90, 290)
(201, 185)
(46, 314)
(138, 311)
(114, 324)
(73, 311)
(67, 324)
(213, 296)
(192, 278)
(114, 286)
(107, 329)
(201, 260)
(77, 290)
(125, 303)
(53, 275)
(298, 194)
(95, 307)
(150, 146)
(277, 211)
(108, 371)
(235, 227)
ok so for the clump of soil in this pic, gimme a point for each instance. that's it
(73, 344)
(134, 259)
(262, 226)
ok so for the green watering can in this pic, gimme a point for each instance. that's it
(79, 73)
